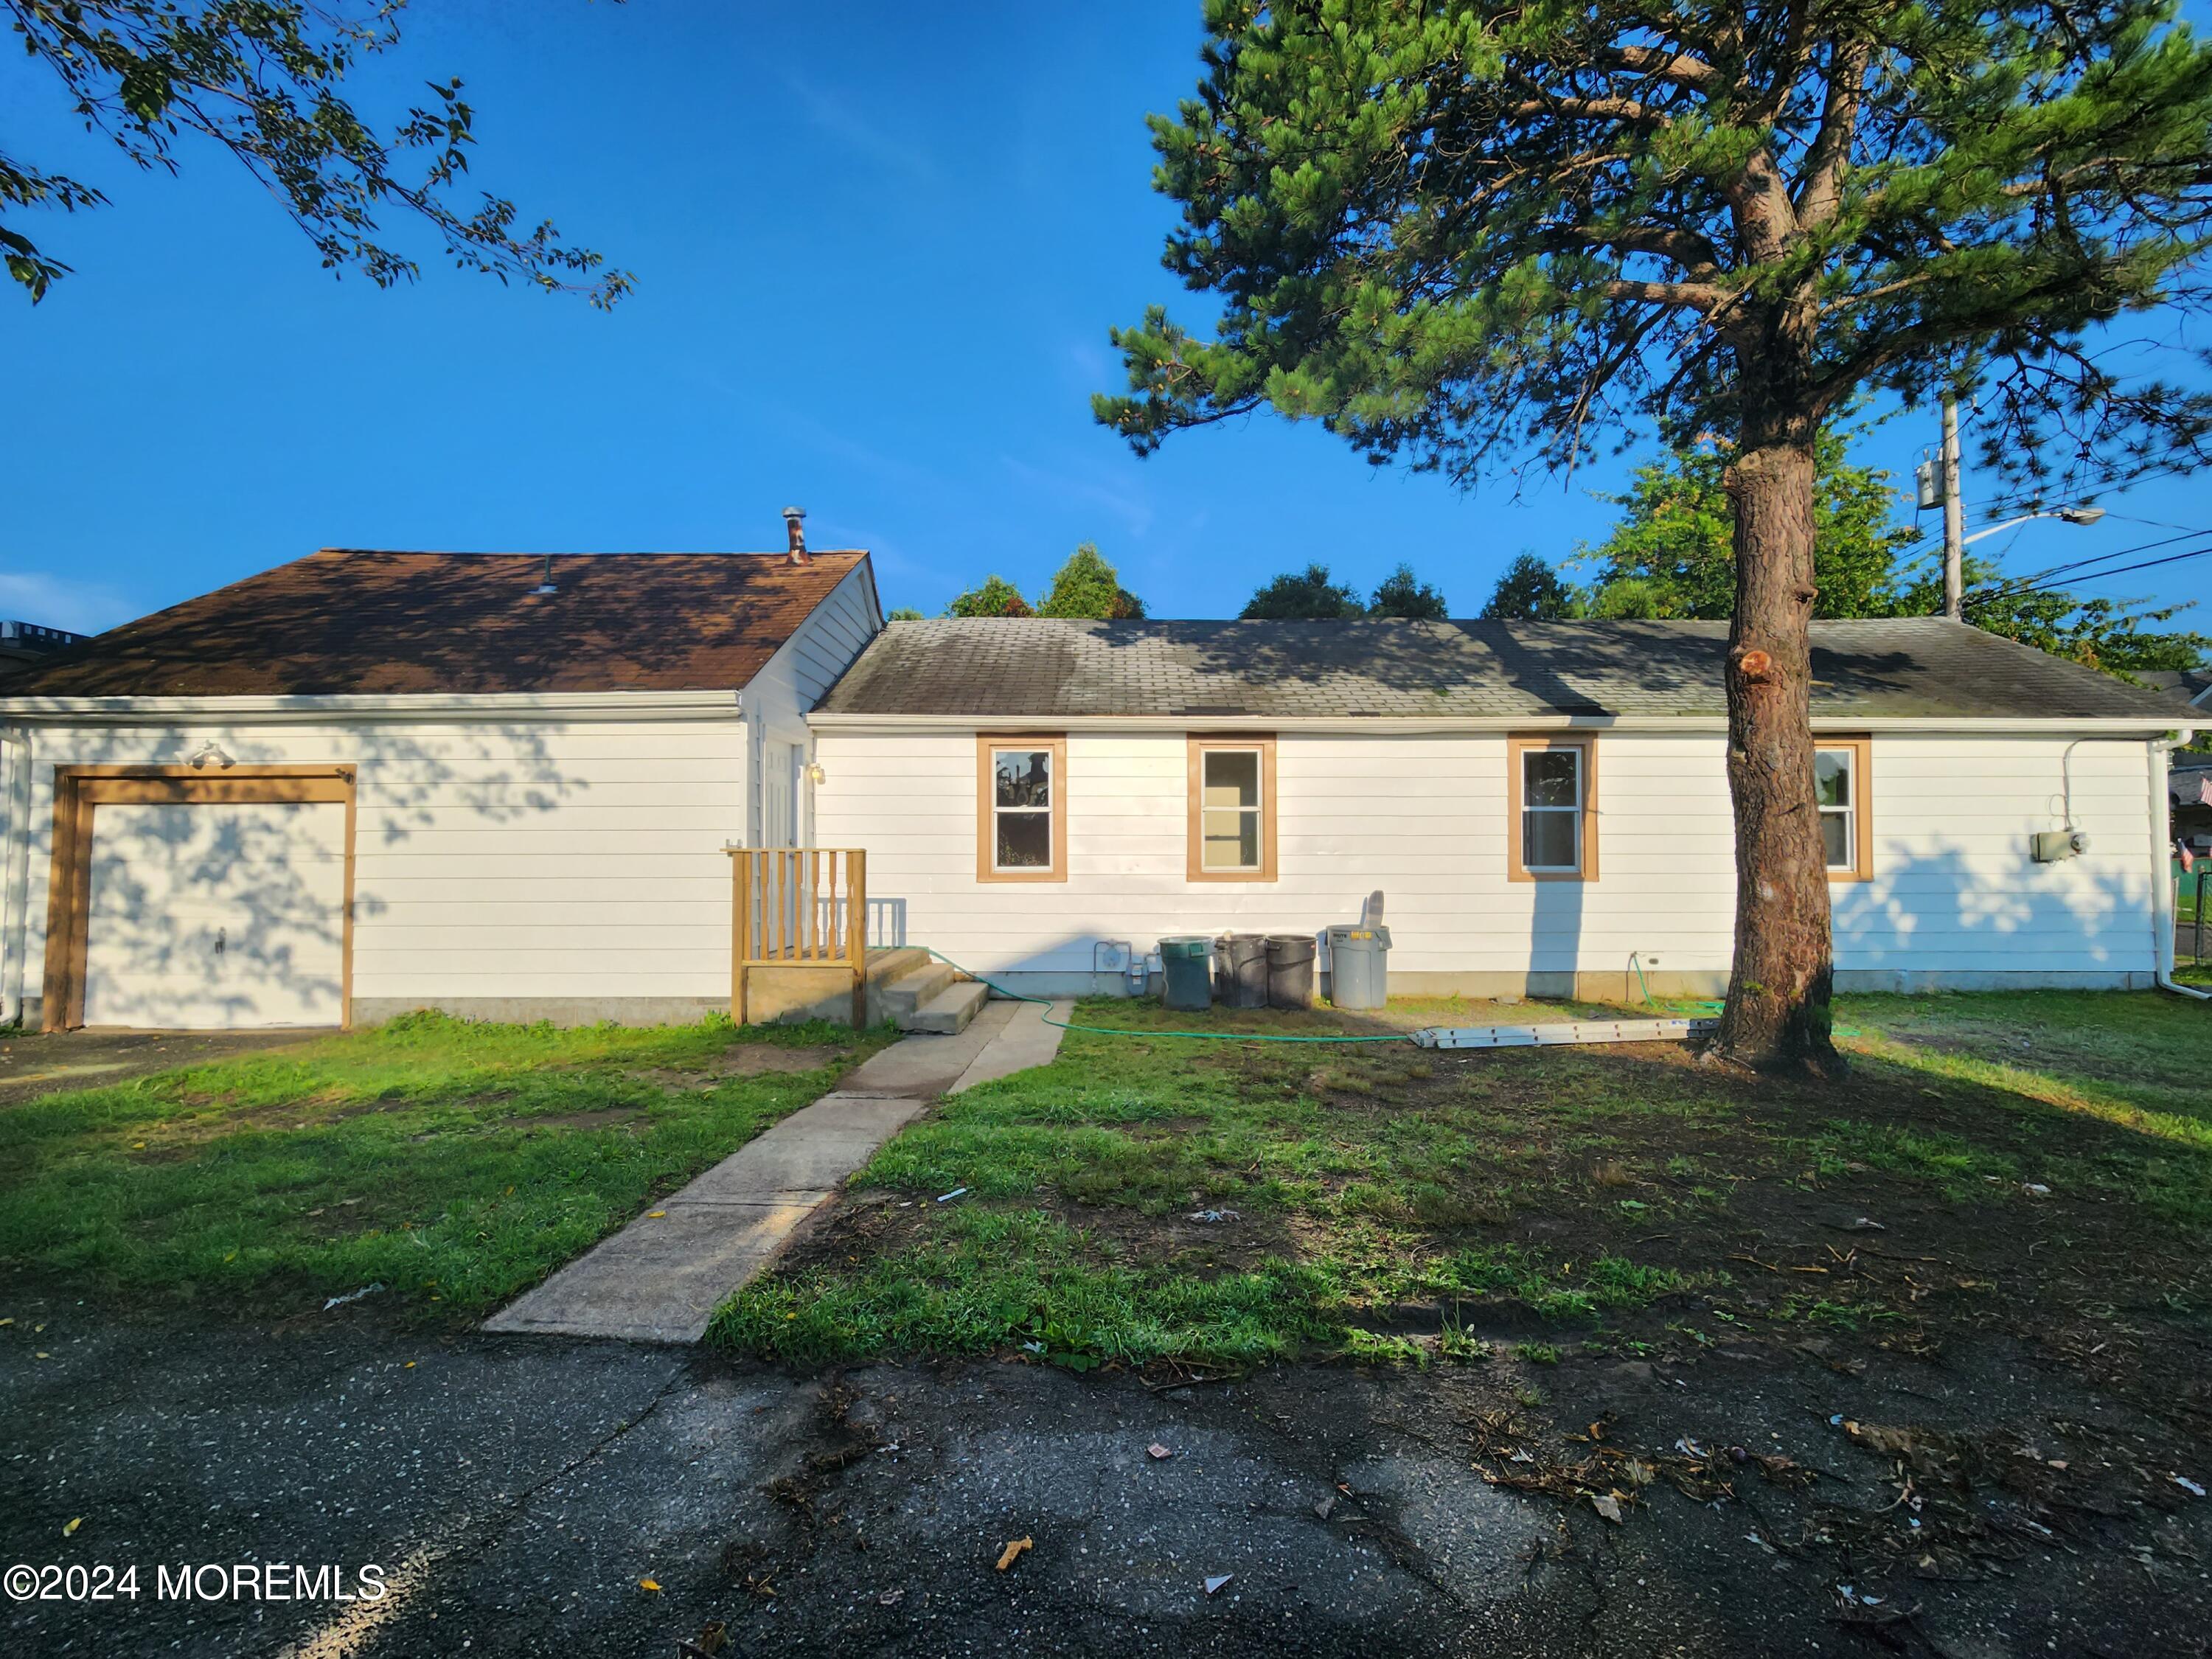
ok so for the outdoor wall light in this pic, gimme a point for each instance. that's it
(815, 773)
(208, 752)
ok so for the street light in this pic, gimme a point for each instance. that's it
(2067, 515)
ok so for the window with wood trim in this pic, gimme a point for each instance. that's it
(1551, 788)
(1021, 809)
(1842, 785)
(1232, 809)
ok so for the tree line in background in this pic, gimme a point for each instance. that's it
(1085, 586)
(1673, 556)
(1088, 586)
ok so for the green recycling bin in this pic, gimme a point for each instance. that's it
(1187, 972)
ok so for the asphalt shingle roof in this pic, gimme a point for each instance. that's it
(1032, 667)
(347, 621)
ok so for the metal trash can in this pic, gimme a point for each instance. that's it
(1186, 963)
(1359, 966)
(1241, 970)
(1290, 970)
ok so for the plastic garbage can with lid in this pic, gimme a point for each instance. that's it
(1243, 960)
(1290, 970)
(1186, 963)
(1359, 966)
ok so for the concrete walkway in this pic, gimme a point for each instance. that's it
(661, 1277)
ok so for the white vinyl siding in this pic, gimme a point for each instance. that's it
(510, 859)
(1425, 818)
(778, 699)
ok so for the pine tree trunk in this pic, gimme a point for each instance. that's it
(1778, 1002)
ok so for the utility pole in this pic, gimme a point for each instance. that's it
(1955, 518)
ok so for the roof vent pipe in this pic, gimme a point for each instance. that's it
(794, 522)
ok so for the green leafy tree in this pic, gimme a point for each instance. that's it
(1673, 555)
(1086, 585)
(2120, 636)
(997, 597)
(263, 79)
(1401, 594)
(904, 613)
(1304, 596)
(1677, 534)
(1530, 591)
(1478, 233)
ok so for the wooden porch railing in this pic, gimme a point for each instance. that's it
(799, 907)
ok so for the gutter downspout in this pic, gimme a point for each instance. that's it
(15, 868)
(2160, 750)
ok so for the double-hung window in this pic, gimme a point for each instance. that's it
(1232, 809)
(1021, 817)
(1552, 787)
(1841, 787)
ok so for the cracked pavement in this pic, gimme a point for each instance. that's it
(519, 1492)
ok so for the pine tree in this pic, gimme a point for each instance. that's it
(1529, 590)
(1473, 233)
(1306, 596)
(1401, 593)
(1086, 585)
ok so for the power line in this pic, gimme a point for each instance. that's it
(1993, 595)
(2122, 477)
(2078, 568)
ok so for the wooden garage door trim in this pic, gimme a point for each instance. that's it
(78, 790)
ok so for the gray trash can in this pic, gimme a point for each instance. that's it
(1359, 966)
(1241, 964)
(1290, 970)
(1183, 978)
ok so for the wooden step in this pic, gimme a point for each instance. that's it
(949, 1012)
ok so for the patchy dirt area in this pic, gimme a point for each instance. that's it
(33, 1064)
(757, 1060)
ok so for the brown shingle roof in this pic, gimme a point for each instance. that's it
(1002, 667)
(346, 621)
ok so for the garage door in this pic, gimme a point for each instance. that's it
(212, 915)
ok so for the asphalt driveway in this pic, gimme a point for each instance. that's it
(535, 1495)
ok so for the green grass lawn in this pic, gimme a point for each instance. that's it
(453, 1162)
(1581, 1188)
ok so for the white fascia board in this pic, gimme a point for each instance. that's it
(1388, 726)
(371, 710)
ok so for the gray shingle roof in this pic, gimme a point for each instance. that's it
(1032, 667)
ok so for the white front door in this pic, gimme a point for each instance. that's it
(779, 795)
(211, 916)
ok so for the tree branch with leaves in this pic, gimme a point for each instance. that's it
(263, 79)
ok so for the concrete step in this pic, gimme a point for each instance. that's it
(900, 997)
(948, 1012)
(885, 965)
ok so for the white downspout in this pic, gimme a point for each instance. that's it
(2162, 885)
(15, 868)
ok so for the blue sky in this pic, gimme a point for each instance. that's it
(876, 257)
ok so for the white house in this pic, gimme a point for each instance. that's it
(365, 782)
(506, 785)
(1540, 802)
